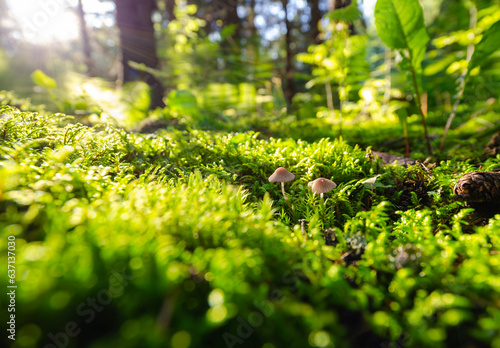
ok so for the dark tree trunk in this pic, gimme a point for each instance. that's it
(87, 51)
(314, 23)
(251, 18)
(251, 34)
(170, 6)
(138, 44)
(227, 12)
(230, 17)
(289, 88)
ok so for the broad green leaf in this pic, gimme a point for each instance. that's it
(488, 44)
(43, 80)
(400, 25)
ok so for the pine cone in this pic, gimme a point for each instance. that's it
(478, 187)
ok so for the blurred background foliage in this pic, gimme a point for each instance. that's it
(290, 68)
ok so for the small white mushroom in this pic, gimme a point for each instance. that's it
(371, 181)
(321, 186)
(282, 175)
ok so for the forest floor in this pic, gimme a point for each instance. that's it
(180, 239)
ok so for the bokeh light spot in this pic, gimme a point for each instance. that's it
(181, 339)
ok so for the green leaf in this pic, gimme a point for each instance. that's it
(403, 116)
(487, 45)
(43, 80)
(400, 25)
(348, 14)
(228, 30)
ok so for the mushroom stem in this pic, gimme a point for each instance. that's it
(284, 196)
(322, 203)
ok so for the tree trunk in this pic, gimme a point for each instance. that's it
(138, 44)
(87, 51)
(230, 17)
(170, 7)
(314, 23)
(289, 88)
(251, 19)
(227, 12)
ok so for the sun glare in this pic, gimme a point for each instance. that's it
(45, 21)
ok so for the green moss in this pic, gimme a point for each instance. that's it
(180, 240)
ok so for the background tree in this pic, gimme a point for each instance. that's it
(239, 57)
(138, 44)
(87, 49)
(314, 22)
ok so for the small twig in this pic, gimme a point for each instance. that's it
(344, 255)
(424, 167)
(167, 310)
(303, 228)
(461, 79)
(65, 135)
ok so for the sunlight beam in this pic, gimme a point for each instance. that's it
(44, 22)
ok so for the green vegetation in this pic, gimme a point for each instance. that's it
(183, 242)
(136, 208)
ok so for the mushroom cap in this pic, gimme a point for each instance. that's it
(281, 175)
(322, 185)
(371, 181)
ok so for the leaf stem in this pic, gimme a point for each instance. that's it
(419, 104)
(452, 115)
